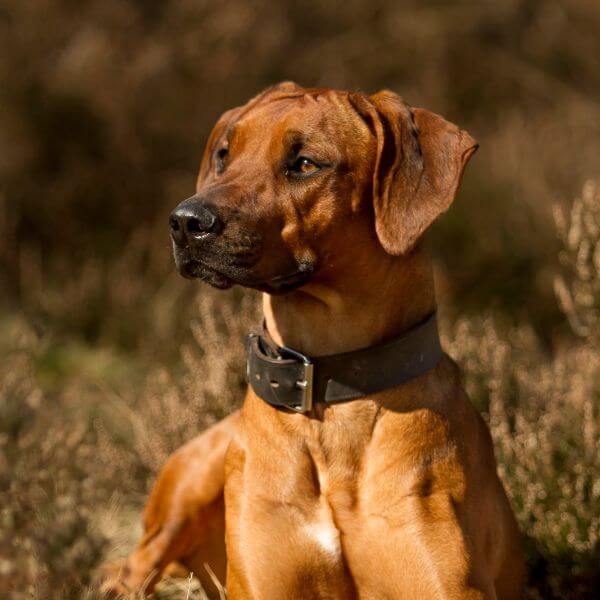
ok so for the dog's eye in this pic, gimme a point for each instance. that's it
(303, 166)
(221, 158)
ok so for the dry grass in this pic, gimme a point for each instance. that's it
(543, 414)
(76, 461)
(104, 107)
(76, 464)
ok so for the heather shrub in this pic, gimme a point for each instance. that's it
(77, 461)
(48, 493)
(109, 360)
(76, 464)
(578, 288)
(544, 413)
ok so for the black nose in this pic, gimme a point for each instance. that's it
(192, 222)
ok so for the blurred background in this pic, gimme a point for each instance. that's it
(110, 360)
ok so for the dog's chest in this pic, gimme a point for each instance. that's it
(332, 491)
(337, 448)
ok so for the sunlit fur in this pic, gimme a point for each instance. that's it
(393, 495)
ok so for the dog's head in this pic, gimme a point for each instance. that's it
(299, 181)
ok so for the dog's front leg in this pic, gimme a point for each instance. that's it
(184, 520)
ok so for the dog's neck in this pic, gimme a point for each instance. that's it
(362, 305)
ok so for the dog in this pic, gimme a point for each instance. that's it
(357, 467)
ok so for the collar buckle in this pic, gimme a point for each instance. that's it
(305, 385)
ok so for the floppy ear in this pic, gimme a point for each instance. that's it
(419, 164)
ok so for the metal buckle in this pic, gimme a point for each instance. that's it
(249, 338)
(306, 384)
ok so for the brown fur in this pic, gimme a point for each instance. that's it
(391, 496)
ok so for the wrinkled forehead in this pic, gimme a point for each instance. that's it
(310, 117)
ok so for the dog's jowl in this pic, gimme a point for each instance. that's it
(357, 466)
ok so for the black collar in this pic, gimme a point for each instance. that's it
(284, 377)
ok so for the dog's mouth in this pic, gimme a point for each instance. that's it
(193, 269)
(224, 278)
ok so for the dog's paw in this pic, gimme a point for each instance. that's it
(114, 581)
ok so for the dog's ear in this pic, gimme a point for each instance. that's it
(418, 167)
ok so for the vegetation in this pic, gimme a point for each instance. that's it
(110, 360)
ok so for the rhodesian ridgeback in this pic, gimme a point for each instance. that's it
(357, 466)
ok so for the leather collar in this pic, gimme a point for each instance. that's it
(284, 377)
